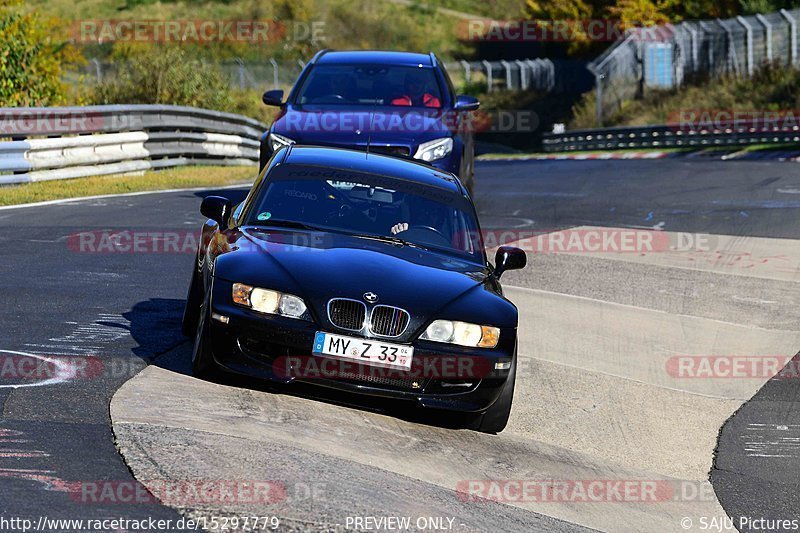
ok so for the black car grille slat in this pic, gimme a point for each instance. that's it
(347, 314)
(369, 379)
(389, 321)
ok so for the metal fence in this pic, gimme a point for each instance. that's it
(526, 74)
(666, 56)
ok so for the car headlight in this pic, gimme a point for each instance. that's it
(269, 302)
(462, 333)
(433, 150)
(278, 141)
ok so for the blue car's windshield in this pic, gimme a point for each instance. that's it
(371, 85)
(368, 205)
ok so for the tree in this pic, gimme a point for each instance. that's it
(32, 58)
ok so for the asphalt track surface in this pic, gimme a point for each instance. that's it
(124, 308)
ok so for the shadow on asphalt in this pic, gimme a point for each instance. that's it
(757, 452)
(155, 326)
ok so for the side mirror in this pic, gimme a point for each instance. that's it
(216, 208)
(508, 258)
(466, 103)
(274, 97)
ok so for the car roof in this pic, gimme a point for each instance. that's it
(354, 57)
(360, 161)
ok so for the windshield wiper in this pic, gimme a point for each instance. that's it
(386, 238)
(287, 224)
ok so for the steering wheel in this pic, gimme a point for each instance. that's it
(438, 235)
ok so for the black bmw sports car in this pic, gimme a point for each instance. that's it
(360, 272)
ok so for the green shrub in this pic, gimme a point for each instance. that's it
(32, 58)
(163, 75)
(173, 75)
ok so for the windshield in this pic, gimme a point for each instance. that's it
(369, 206)
(371, 85)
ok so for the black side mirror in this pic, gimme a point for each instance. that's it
(274, 97)
(509, 258)
(466, 103)
(216, 208)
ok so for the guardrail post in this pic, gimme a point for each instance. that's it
(693, 38)
(792, 36)
(731, 47)
(240, 64)
(749, 33)
(523, 75)
(768, 30)
(274, 72)
(489, 79)
(98, 70)
(598, 104)
(507, 67)
(467, 72)
(707, 32)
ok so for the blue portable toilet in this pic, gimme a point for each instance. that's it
(658, 65)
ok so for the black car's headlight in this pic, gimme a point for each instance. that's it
(433, 150)
(269, 302)
(277, 142)
(462, 333)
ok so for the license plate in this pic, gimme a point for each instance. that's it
(368, 351)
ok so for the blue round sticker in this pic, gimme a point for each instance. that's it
(264, 216)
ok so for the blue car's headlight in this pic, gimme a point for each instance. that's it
(435, 149)
(269, 302)
(462, 333)
(277, 142)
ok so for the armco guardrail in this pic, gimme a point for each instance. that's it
(670, 136)
(69, 142)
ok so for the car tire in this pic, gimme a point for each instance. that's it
(194, 300)
(202, 360)
(495, 418)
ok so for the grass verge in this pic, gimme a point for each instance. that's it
(176, 178)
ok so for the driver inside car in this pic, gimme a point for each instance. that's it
(422, 213)
(416, 92)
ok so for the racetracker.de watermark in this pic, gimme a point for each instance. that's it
(412, 121)
(555, 30)
(748, 120)
(198, 31)
(154, 241)
(597, 240)
(777, 367)
(583, 491)
(423, 366)
(50, 121)
(175, 492)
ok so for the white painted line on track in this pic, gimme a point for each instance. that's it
(120, 195)
(639, 308)
(62, 373)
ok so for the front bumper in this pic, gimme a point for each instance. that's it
(270, 348)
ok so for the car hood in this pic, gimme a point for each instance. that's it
(352, 127)
(319, 266)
